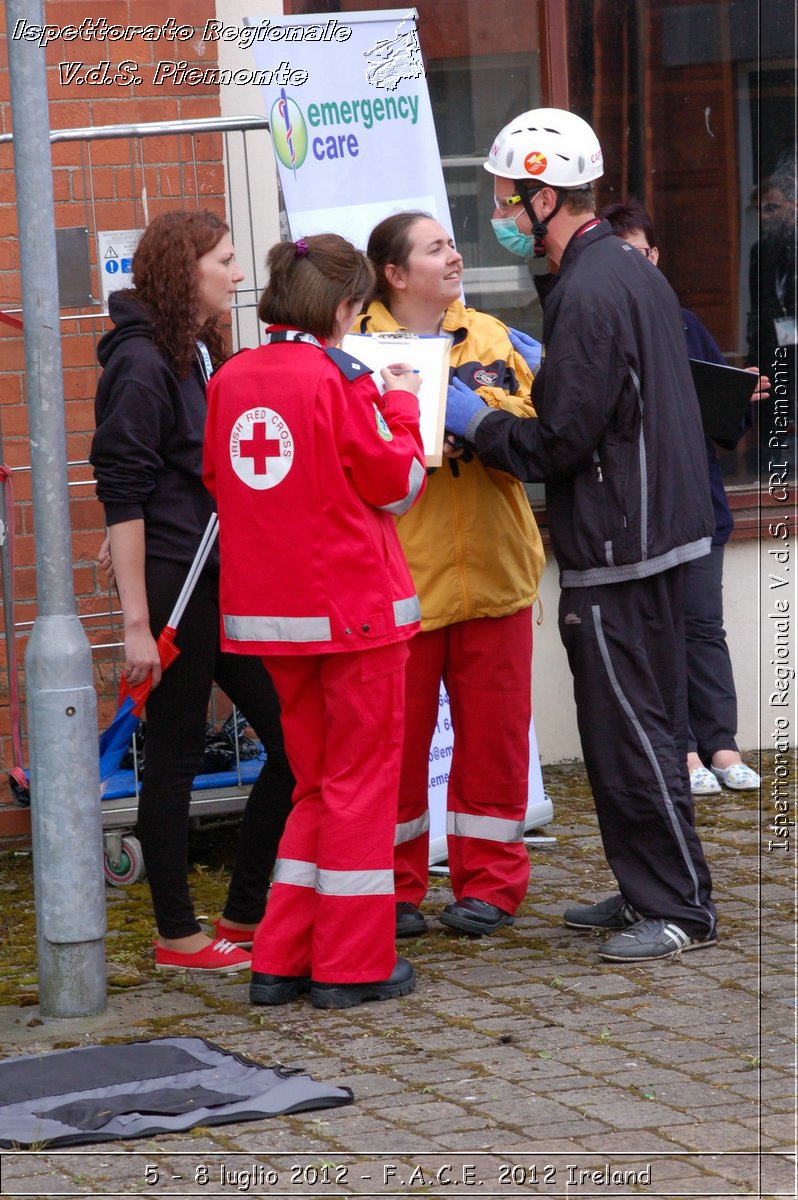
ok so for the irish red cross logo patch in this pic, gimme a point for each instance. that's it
(261, 448)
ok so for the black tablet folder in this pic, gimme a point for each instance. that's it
(724, 394)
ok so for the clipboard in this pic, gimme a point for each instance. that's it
(724, 394)
(429, 354)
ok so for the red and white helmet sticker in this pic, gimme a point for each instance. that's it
(535, 163)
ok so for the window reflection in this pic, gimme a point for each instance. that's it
(693, 107)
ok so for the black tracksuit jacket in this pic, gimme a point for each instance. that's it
(618, 440)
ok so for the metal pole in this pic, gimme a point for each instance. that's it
(61, 701)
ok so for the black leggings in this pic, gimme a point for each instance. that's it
(176, 717)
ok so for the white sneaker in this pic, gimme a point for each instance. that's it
(703, 782)
(738, 777)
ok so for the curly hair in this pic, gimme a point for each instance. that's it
(166, 281)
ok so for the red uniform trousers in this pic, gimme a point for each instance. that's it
(330, 913)
(486, 666)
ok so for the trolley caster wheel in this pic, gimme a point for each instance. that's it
(128, 867)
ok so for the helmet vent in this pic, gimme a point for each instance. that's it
(581, 164)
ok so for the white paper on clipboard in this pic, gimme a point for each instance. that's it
(429, 354)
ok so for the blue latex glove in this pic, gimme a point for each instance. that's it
(461, 404)
(527, 347)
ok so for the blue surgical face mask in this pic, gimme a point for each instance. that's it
(510, 237)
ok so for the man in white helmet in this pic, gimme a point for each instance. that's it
(619, 444)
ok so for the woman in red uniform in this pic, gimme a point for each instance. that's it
(309, 465)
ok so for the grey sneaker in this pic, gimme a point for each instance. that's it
(612, 913)
(652, 938)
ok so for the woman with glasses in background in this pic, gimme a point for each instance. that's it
(713, 758)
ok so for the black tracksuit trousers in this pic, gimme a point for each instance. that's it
(626, 649)
(176, 715)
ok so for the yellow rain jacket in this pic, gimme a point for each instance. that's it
(471, 541)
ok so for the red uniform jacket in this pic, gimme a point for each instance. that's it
(309, 464)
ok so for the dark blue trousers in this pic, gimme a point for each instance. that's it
(711, 696)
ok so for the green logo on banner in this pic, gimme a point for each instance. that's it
(289, 132)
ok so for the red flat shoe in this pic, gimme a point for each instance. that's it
(220, 958)
(234, 933)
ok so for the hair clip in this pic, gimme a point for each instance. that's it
(300, 248)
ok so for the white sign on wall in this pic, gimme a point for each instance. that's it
(115, 250)
(352, 130)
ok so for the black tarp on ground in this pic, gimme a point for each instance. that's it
(138, 1089)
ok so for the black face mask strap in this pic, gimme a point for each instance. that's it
(539, 228)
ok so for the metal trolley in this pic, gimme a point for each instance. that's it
(191, 161)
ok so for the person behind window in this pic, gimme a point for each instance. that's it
(711, 694)
(772, 319)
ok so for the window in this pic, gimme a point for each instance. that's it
(690, 126)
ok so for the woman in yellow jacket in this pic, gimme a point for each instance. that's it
(476, 558)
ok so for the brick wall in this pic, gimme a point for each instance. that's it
(102, 186)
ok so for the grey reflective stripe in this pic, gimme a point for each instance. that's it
(638, 570)
(355, 883)
(487, 829)
(608, 554)
(405, 612)
(277, 629)
(475, 422)
(408, 831)
(649, 752)
(295, 871)
(415, 480)
(641, 451)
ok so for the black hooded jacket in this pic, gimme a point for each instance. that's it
(147, 448)
(618, 440)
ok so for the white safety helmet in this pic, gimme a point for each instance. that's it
(547, 146)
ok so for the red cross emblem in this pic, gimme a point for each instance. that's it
(260, 449)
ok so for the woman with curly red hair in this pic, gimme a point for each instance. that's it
(147, 459)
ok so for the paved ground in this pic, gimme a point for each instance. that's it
(521, 1065)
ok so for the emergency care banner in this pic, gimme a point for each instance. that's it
(350, 118)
